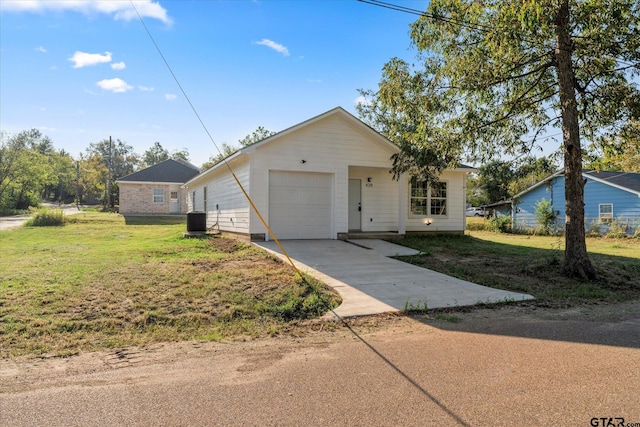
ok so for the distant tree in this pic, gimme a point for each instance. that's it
(620, 152)
(180, 154)
(256, 136)
(494, 178)
(154, 155)
(530, 171)
(226, 149)
(26, 168)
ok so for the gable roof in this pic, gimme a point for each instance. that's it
(626, 181)
(335, 111)
(341, 112)
(170, 170)
(623, 180)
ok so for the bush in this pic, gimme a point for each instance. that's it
(545, 217)
(46, 218)
(499, 224)
(617, 231)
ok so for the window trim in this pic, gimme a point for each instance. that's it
(429, 200)
(607, 217)
(158, 198)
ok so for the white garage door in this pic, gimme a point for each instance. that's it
(300, 204)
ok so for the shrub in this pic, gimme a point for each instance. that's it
(46, 218)
(499, 224)
(545, 217)
(617, 231)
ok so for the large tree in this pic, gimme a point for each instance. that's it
(495, 75)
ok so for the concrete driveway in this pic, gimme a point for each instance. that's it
(370, 282)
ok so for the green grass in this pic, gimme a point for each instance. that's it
(533, 265)
(99, 282)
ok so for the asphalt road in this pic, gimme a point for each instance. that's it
(483, 371)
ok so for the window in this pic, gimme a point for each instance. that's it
(174, 196)
(605, 212)
(158, 195)
(428, 199)
(193, 200)
(205, 199)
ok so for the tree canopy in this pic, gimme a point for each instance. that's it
(495, 77)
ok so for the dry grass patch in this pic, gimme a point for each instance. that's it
(99, 283)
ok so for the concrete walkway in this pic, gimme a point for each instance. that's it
(370, 282)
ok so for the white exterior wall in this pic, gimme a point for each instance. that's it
(226, 204)
(455, 219)
(330, 146)
(379, 198)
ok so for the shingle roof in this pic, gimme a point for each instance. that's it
(622, 179)
(170, 170)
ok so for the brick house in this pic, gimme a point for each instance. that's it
(156, 189)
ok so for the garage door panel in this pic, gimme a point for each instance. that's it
(300, 204)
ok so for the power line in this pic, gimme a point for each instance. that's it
(193, 108)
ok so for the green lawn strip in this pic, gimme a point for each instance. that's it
(99, 283)
(533, 265)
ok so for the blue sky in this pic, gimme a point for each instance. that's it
(81, 71)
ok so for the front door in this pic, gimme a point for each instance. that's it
(355, 205)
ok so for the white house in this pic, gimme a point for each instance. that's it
(325, 178)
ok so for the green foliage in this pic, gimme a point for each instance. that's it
(545, 217)
(227, 149)
(30, 169)
(46, 218)
(617, 231)
(499, 224)
(492, 78)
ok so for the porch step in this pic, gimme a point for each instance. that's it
(374, 235)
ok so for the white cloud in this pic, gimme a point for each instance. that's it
(118, 8)
(82, 59)
(118, 66)
(275, 46)
(170, 97)
(145, 88)
(114, 85)
(41, 49)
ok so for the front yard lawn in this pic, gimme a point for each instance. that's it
(533, 265)
(99, 283)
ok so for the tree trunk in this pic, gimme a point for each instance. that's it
(576, 259)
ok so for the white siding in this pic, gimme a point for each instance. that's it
(379, 198)
(330, 146)
(226, 204)
(455, 218)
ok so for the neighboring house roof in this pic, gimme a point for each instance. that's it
(626, 181)
(169, 171)
(623, 180)
(335, 111)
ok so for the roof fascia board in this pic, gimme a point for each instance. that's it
(604, 181)
(231, 159)
(149, 182)
(539, 183)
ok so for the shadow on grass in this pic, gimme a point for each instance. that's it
(154, 219)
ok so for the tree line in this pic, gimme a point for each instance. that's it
(32, 169)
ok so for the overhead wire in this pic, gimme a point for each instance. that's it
(202, 124)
